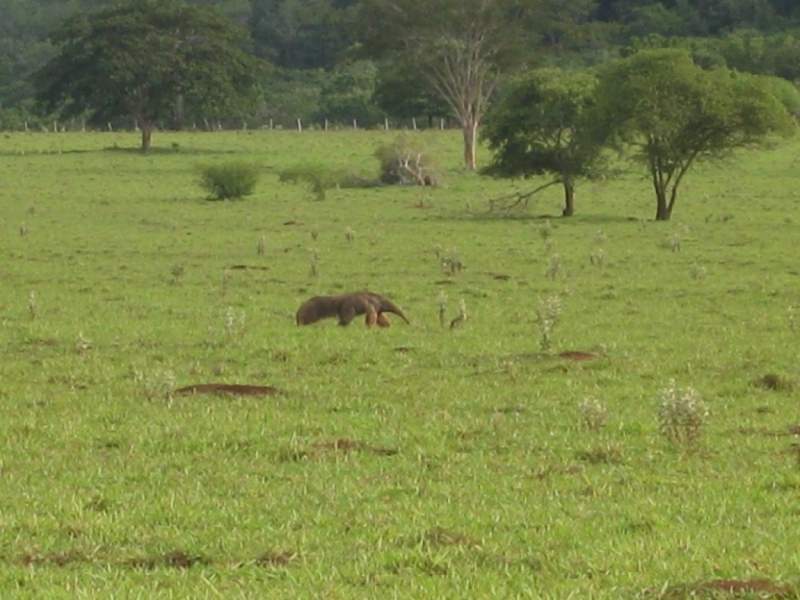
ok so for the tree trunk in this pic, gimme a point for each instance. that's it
(663, 210)
(147, 133)
(470, 128)
(569, 198)
(179, 112)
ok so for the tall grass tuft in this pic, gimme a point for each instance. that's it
(547, 316)
(230, 180)
(442, 303)
(32, 306)
(681, 413)
(593, 413)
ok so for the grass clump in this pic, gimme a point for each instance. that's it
(681, 413)
(593, 414)
(547, 316)
(230, 180)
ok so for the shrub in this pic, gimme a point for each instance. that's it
(403, 164)
(231, 180)
(681, 413)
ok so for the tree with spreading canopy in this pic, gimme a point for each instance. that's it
(144, 58)
(400, 93)
(301, 34)
(458, 47)
(537, 129)
(671, 114)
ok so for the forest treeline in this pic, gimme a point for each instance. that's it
(321, 71)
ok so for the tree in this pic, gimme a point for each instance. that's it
(301, 34)
(537, 129)
(401, 94)
(671, 114)
(347, 95)
(458, 47)
(142, 58)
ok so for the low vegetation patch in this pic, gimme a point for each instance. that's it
(230, 180)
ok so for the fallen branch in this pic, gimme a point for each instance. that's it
(517, 201)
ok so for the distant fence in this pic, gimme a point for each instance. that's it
(209, 125)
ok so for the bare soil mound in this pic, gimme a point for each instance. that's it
(229, 388)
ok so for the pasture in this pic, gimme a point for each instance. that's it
(413, 461)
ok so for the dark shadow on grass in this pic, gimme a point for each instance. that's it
(493, 218)
(177, 559)
(229, 389)
(169, 150)
(29, 153)
(53, 559)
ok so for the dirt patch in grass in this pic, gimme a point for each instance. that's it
(229, 388)
(345, 445)
(774, 382)
(246, 267)
(729, 588)
(275, 559)
(177, 559)
(602, 454)
(53, 559)
(68, 381)
(789, 431)
(321, 449)
(547, 471)
(438, 537)
(571, 355)
(40, 342)
(576, 355)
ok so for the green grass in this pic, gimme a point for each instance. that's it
(414, 461)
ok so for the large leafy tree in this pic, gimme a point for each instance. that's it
(671, 113)
(458, 48)
(538, 129)
(142, 58)
(347, 95)
(401, 94)
(302, 34)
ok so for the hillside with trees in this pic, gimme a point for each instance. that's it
(345, 60)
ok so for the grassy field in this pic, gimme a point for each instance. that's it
(414, 461)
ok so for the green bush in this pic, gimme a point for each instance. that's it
(230, 180)
(401, 163)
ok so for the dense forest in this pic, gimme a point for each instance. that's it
(322, 69)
